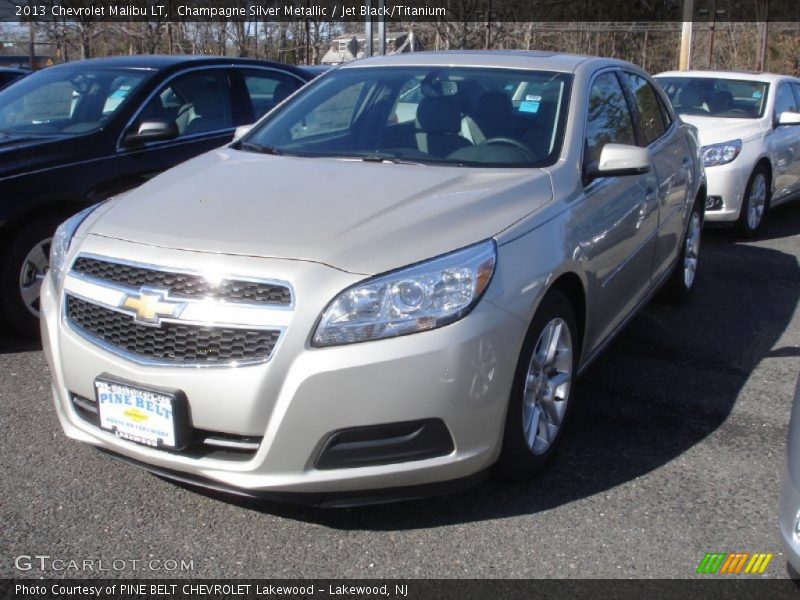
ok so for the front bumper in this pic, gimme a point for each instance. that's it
(728, 183)
(788, 518)
(460, 374)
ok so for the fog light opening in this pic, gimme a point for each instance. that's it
(714, 203)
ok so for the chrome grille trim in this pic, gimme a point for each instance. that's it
(147, 275)
(174, 342)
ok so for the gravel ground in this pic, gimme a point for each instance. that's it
(675, 449)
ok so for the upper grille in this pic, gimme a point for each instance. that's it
(184, 285)
(171, 342)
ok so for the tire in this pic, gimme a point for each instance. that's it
(23, 267)
(683, 279)
(531, 418)
(755, 203)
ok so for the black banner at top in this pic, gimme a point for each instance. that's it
(401, 11)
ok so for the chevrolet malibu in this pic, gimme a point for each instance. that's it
(748, 128)
(353, 303)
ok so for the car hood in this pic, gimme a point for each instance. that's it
(357, 216)
(713, 130)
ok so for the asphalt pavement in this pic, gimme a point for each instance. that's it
(675, 449)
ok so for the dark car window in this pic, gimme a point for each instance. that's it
(649, 118)
(785, 100)
(198, 102)
(267, 89)
(67, 100)
(608, 119)
(716, 97)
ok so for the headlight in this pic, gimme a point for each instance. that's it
(720, 154)
(416, 298)
(61, 242)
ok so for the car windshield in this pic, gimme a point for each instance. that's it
(66, 101)
(437, 115)
(716, 97)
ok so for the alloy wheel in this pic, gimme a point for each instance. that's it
(547, 386)
(32, 274)
(691, 251)
(757, 201)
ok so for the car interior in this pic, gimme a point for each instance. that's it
(460, 116)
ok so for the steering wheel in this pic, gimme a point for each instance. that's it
(507, 141)
(739, 111)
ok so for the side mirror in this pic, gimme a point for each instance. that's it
(241, 131)
(789, 118)
(620, 159)
(152, 131)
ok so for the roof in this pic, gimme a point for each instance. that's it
(160, 62)
(508, 59)
(741, 75)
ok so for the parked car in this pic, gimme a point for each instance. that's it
(751, 143)
(341, 306)
(789, 520)
(74, 134)
(9, 75)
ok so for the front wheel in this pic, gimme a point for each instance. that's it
(540, 395)
(24, 265)
(754, 204)
(680, 285)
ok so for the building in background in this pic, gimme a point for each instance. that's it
(350, 47)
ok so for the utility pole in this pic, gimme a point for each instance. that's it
(712, 25)
(685, 60)
(368, 30)
(763, 33)
(308, 36)
(489, 25)
(381, 29)
(31, 46)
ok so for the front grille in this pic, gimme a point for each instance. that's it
(184, 285)
(171, 342)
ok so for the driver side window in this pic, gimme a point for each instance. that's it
(608, 119)
(197, 102)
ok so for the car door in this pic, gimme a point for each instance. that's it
(784, 146)
(672, 160)
(200, 103)
(617, 219)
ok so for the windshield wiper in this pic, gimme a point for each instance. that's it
(262, 149)
(379, 158)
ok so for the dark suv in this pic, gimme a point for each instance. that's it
(78, 133)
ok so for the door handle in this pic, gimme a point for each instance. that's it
(686, 161)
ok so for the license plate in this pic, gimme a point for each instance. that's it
(140, 415)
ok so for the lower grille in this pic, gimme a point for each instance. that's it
(177, 343)
(205, 444)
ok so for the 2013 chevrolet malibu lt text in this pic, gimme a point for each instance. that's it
(386, 287)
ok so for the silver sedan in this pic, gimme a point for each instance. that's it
(386, 287)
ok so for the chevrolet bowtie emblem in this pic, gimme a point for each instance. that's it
(150, 306)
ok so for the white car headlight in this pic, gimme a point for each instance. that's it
(412, 299)
(62, 239)
(720, 154)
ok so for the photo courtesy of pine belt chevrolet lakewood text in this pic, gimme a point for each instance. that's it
(386, 287)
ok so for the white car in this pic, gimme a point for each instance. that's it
(751, 143)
